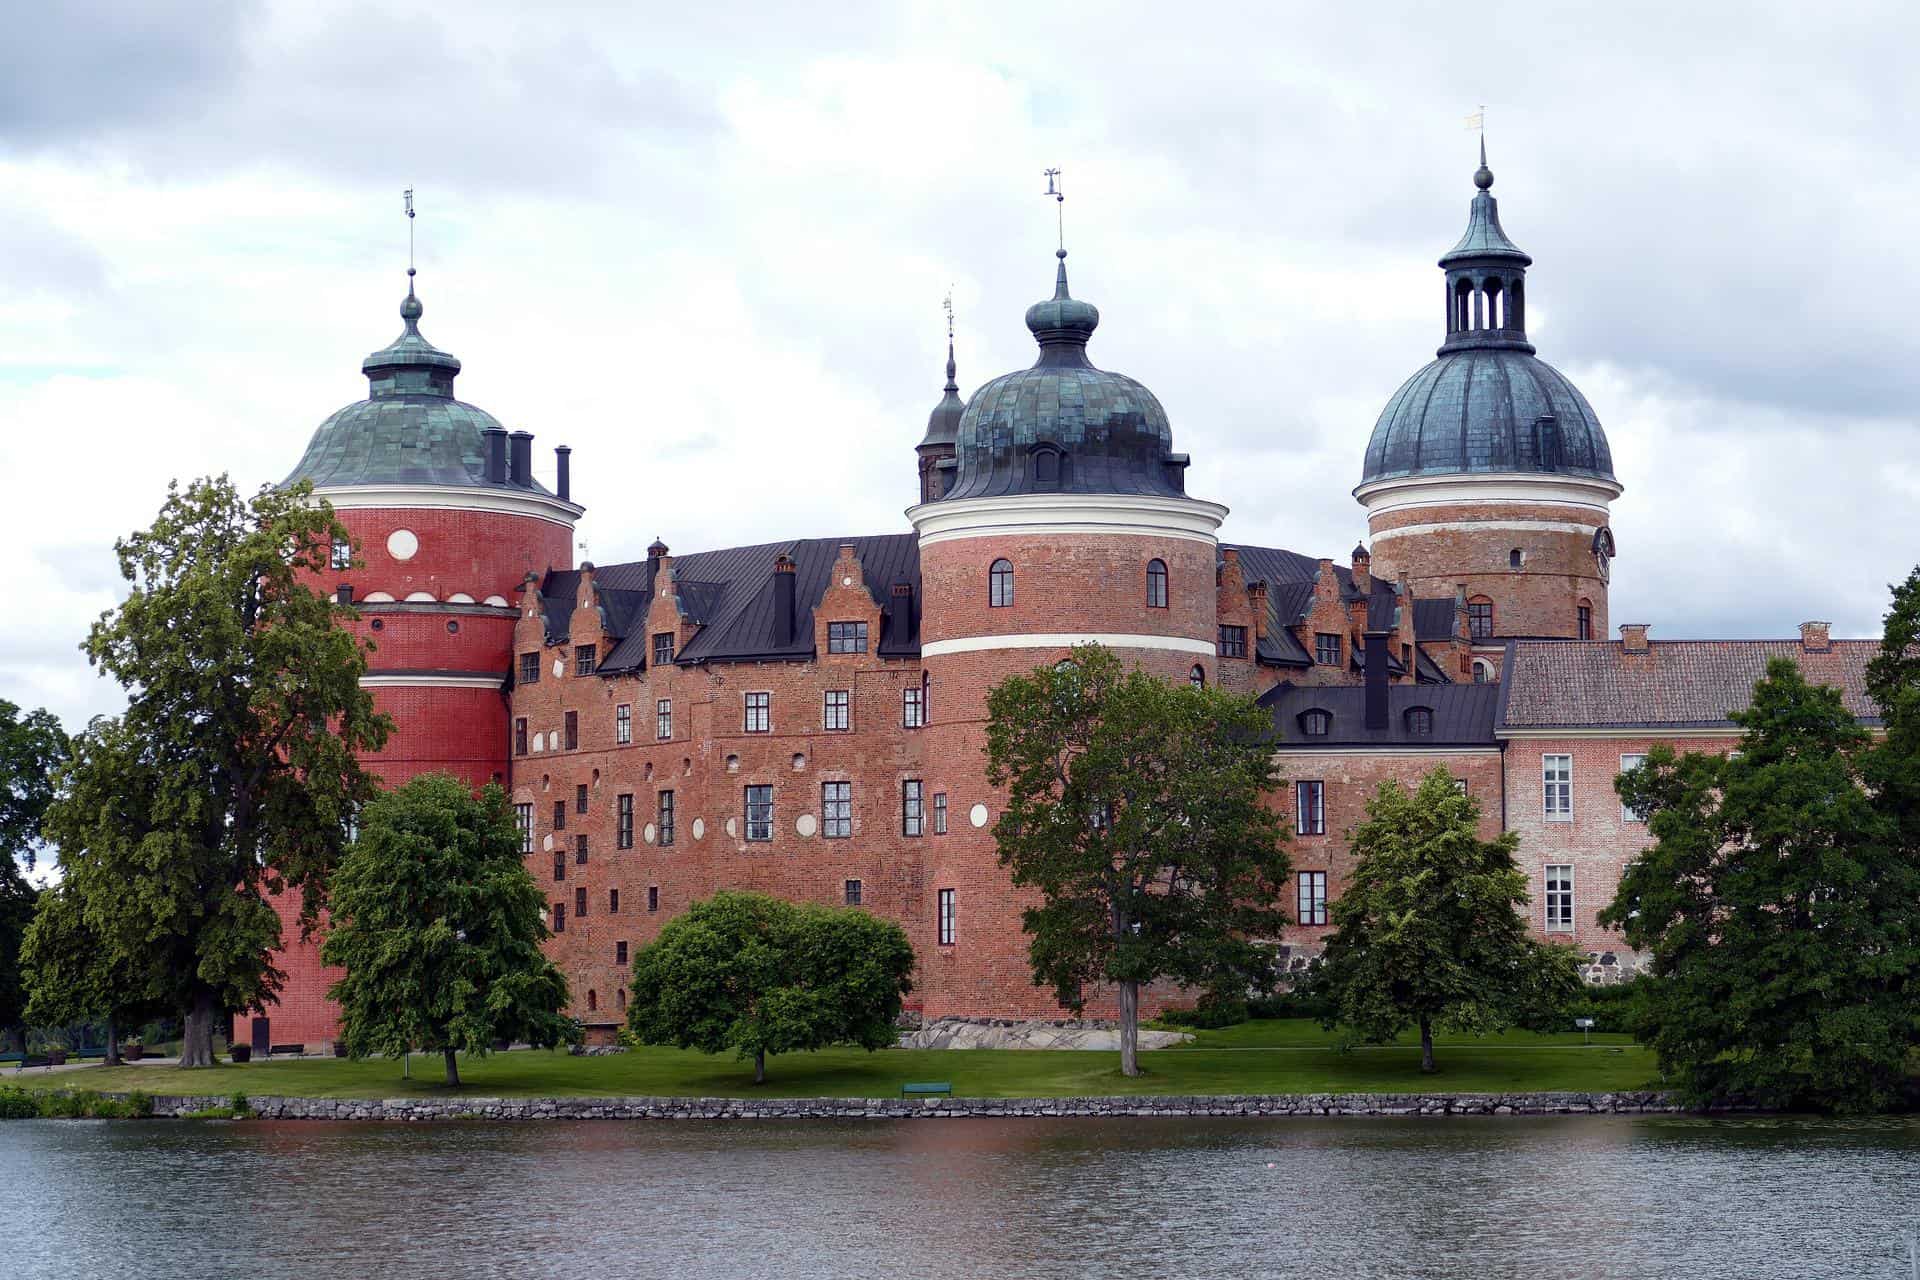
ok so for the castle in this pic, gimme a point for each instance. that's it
(807, 717)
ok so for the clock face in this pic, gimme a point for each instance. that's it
(1603, 552)
(1605, 562)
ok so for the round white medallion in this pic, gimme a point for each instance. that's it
(805, 824)
(977, 815)
(648, 834)
(846, 582)
(733, 829)
(699, 828)
(401, 544)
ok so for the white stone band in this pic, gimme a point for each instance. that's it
(1188, 519)
(1468, 526)
(1402, 492)
(428, 681)
(448, 497)
(1065, 640)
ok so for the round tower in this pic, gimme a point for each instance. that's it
(1488, 476)
(1067, 522)
(446, 521)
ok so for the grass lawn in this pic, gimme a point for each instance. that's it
(1278, 1056)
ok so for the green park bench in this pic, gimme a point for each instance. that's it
(926, 1089)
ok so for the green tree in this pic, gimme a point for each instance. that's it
(438, 923)
(1893, 682)
(232, 775)
(31, 749)
(1136, 809)
(75, 980)
(1431, 929)
(1779, 908)
(759, 975)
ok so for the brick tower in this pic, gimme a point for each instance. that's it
(447, 522)
(1066, 521)
(1488, 476)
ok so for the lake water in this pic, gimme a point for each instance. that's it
(1337, 1199)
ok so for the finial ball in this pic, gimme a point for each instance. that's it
(410, 308)
(1483, 177)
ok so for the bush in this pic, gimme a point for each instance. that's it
(1612, 1009)
(17, 1104)
(79, 1104)
(1302, 1002)
(240, 1106)
(140, 1104)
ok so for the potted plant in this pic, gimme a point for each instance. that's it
(131, 1050)
(56, 1055)
(241, 1053)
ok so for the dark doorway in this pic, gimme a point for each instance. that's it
(262, 1036)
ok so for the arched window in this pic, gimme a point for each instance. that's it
(623, 997)
(1000, 584)
(1493, 304)
(593, 1001)
(1420, 722)
(1515, 558)
(1482, 672)
(1156, 584)
(1315, 724)
(1046, 465)
(1198, 676)
(1583, 619)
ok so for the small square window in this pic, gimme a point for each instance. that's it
(854, 889)
(529, 668)
(846, 637)
(584, 660)
(1326, 648)
(1233, 642)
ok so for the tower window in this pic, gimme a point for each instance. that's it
(945, 918)
(523, 819)
(520, 736)
(853, 892)
(342, 557)
(619, 953)
(1480, 619)
(653, 897)
(613, 906)
(1515, 558)
(836, 810)
(1326, 648)
(573, 730)
(559, 917)
(939, 813)
(1197, 677)
(580, 903)
(1156, 584)
(559, 815)
(559, 864)
(580, 849)
(1000, 584)
(1046, 466)
(1313, 897)
(1583, 620)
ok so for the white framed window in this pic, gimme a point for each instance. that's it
(623, 724)
(760, 812)
(759, 713)
(1559, 897)
(837, 710)
(1556, 784)
(523, 819)
(836, 810)
(1313, 897)
(913, 813)
(946, 917)
(1309, 808)
(663, 718)
(913, 708)
(1629, 761)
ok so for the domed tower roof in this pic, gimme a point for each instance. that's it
(943, 424)
(1487, 404)
(409, 429)
(1064, 426)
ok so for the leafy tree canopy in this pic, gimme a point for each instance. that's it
(32, 747)
(759, 975)
(1431, 930)
(1136, 810)
(76, 980)
(232, 774)
(1781, 911)
(438, 923)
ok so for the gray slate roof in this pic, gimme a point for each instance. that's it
(1463, 715)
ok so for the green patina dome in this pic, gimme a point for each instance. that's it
(409, 429)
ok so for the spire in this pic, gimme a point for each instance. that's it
(1483, 176)
(1486, 276)
(1062, 324)
(943, 424)
(410, 365)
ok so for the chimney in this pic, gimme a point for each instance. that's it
(1376, 678)
(496, 455)
(563, 472)
(1257, 597)
(656, 552)
(1462, 630)
(1362, 569)
(899, 613)
(784, 621)
(1633, 637)
(1814, 637)
(520, 458)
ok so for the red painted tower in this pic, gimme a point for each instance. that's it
(447, 522)
(1066, 521)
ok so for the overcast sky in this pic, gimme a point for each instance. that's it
(706, 245)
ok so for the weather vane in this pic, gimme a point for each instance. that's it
(1057, 190)
(1478, 120)
(946, 304)
(407, 195)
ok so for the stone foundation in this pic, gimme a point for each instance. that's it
(1242, 1105)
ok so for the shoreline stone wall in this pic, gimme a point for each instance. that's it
(413, 1110)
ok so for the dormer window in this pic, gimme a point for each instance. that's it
(662, 648)
(1316, 724)
(1420, 722)
(1046, 466)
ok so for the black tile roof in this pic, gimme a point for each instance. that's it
(729, 594)
(1463, 715)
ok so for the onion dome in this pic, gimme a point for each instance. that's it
(1487, 404)
(1064, 426)
(409, 429)
(943, 424)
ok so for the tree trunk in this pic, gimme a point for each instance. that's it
(760, 1066)
(1129, 1028)
(453, 1071)
(196, 1046)
(113, 1044)
(1426, 1046)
